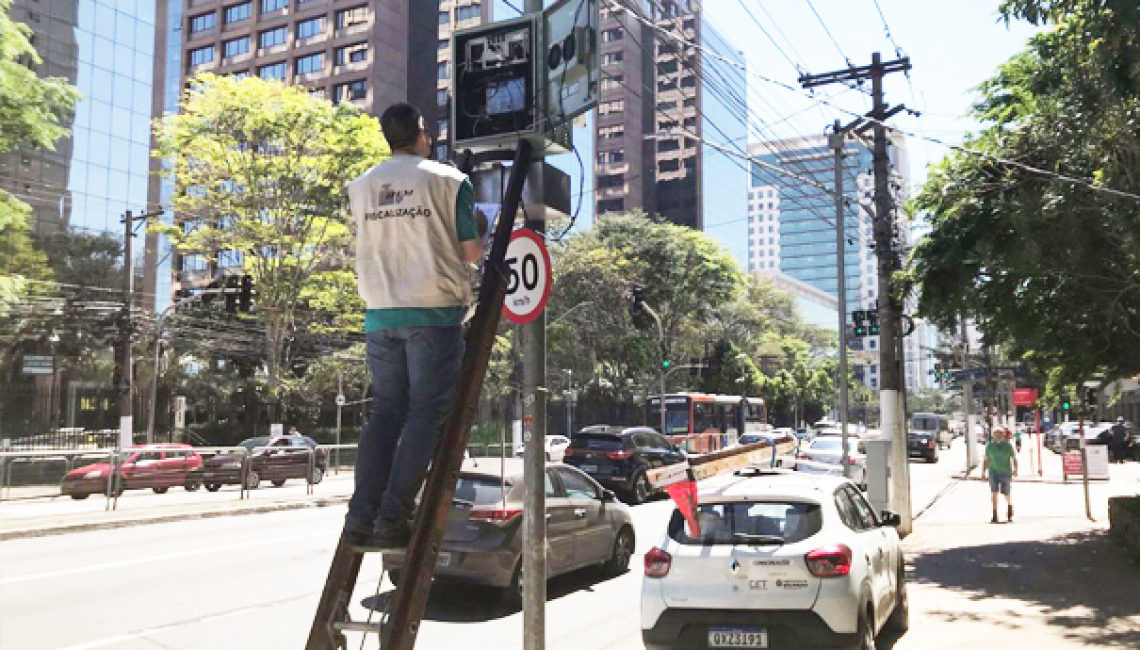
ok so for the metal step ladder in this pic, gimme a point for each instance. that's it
(400, 623)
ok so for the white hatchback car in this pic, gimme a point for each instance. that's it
(784, 560)
(555, 448)
(824, 455)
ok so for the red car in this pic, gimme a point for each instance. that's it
(158, 467)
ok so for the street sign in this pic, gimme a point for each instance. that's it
(180, 412)
(528, 282)
(1024, 396)
(38, 365)
(340, 400)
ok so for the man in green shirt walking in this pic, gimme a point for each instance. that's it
(1001, 462)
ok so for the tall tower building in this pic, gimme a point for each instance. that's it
(105, 48)
(791, 221)
(666, 114)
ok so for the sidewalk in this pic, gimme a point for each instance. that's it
(40, 517)
(1050, 580)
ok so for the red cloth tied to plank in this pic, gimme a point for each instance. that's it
(684, 494)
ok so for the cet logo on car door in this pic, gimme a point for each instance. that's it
(593, 536)
(872, 546)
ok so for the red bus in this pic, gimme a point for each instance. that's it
(703, 423)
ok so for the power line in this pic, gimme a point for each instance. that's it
(828, 31)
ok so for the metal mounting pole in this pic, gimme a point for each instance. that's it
(837, 142)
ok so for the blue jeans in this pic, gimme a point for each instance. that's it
(414, 375)
(1000, 482)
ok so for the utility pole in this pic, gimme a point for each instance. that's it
(968, 404)
(891, 395)
(124, 371)
(838, 141)
(534, 469)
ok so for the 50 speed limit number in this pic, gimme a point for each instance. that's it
(528, 276)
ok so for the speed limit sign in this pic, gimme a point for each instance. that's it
(528, 276)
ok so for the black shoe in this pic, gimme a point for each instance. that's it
(1009, 514)
(389, 536)
(994, 520)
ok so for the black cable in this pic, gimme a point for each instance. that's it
(824, 25)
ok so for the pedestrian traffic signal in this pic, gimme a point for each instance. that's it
(1065, 403)
(873, 322)
(1090, 397)
(860, 318)
(665, 364)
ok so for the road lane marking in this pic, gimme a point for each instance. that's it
(154, 558)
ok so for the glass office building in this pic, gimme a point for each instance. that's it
(106, 48)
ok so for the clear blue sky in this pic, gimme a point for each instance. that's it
(953, 45)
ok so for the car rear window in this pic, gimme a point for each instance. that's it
(827, 444)
(760, 522)
(599, 441)
(479, 491)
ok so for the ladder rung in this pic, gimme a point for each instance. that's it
(356, 626)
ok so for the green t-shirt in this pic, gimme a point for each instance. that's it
(382, 319)
(999, 456)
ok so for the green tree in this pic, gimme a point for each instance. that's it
(33, 112)
(260, 169)
(1046, 265)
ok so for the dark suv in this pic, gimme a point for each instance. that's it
(270, 459)
(618, 457)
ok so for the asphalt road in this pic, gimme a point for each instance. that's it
(252, 582)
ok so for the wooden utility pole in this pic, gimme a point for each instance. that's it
(891, 388)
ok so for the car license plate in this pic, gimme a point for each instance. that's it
(738, 638)
(589, 468)
(444, 560)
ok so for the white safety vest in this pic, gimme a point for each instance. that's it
(407, 245)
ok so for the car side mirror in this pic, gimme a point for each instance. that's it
(891, 519)
(608, 496)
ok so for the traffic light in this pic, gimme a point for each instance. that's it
(233, 285)
(665, 365)
(636, 299)
(1090, 397)
(245, 298)
(873, 322)
(1065, 406)
(860, 318)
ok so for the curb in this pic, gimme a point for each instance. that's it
(64, 529)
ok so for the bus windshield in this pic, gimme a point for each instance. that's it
(676, 419)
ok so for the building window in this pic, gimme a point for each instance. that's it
(441, 71)
(273, 37)
(611, 205)
(203, 22)
(349, 17)
(611, 157)
(240, 74)
(611, 35)
(272, 71)
(467, 13)
(610, 180)
(352, 90)
(615, 106)
(311, 63)
(310, 28)
(611, 132)
(441, 97)
(612, 83)
(668, 145)
(670, 165)
(445, 17)
(613, 58)
(268, 6)
(352, 53)
(443, 44)
(304, 2)
(235, 47)
(202, 55)
(666, 106)
(238, 13)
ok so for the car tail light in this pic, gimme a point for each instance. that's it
(851, 460)
(498, 516)
(830, 561)
(570, 452)
(619, 455)
(657, 563)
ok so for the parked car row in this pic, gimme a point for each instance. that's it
(159, 467)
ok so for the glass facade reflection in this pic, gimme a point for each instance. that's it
(106, 48)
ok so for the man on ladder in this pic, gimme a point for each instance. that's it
(416, 234)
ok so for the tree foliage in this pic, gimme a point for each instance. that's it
(1047, 265)
(260, 170)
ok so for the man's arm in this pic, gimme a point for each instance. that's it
(466, 227)
(1015, 464)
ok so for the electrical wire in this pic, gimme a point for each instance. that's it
(828, 31)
